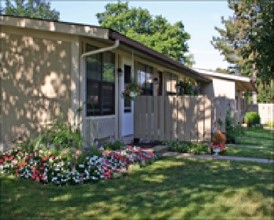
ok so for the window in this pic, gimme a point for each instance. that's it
(100, 83)
(171, 80)
(127, 80)
(144, 76)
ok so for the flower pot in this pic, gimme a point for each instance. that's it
(133, 94)
(216, 150)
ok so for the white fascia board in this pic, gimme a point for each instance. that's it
(223, 75)
(55, 26)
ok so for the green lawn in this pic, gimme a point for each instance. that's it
(256, 142)
(168, 189)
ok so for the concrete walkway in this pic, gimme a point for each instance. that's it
(162, 150)
(218, 157)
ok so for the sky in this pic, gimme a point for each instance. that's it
(198, 17)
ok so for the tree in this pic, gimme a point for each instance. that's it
(233, 42)
(153, 31)
(221, 70)
(30, 8)
(247, 42)
(262, 42)
(264, 46)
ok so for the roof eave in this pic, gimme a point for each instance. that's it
(140, 47)
(55, 26)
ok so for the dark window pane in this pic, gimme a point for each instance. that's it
(127, 74)
(93, 98)
(127, 105)
(141, 75)
(100, 83)
(144, 76)
(94, 67)
(109, 67)
(108, 98)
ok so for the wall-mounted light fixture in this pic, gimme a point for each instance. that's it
(156, 80)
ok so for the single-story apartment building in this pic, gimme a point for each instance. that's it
(227, 91)
(52, 69)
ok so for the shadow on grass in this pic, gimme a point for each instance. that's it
(257, 136)
(168, 189)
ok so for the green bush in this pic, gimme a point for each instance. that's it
(187, 147)
(59, 135)
(116, 145)
(271, 124)
(252, 119)
(233, 129)
(198, 148)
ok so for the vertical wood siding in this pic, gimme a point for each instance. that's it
(184, 118)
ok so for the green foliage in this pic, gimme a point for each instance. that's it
(252, 119)
(262, 42)
(94, 151)
(221, 70)
(198, 148)
(247, 42)
(266, 92)
(153, 31)
(30, 8)
(233, 129)
(177, 146)
(187, 147)
(116, 145)
(59, 135)
(233, 42)
(270, 124)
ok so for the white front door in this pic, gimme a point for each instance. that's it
(127, 108)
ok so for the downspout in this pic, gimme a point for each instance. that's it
(83, 96)
(101, 50)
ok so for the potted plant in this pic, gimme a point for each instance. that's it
(218, 142)
(132, 90)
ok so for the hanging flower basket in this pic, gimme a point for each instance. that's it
(132, 90)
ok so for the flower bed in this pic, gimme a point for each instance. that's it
(47, 166)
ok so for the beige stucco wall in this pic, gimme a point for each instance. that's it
(222, 93)
(220, 87)
(36, 82)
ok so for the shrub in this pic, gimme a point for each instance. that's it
(116, 145)
(187, 147)
(59, 135)
(198, 148)
(233, 129)
(271, 124)
(177, 146)
(252, 119)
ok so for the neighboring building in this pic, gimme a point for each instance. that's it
(55, 68)
(227, 90)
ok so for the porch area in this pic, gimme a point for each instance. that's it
(165, 118)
